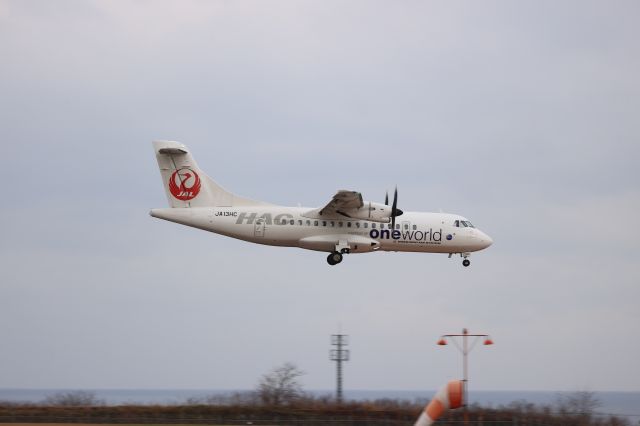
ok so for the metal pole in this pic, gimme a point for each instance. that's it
(465, 349)
(465, 373)
(339, 373)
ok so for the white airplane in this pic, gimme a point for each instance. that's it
(347, 224)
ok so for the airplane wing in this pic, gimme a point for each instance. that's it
(342, 202)
(349, 204)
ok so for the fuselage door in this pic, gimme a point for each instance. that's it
(259, 227)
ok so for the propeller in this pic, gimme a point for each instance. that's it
(395, 211)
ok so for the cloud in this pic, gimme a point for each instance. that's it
(520, 118)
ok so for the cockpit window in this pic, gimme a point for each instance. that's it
(463, 224)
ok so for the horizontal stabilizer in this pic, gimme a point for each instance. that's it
(172, 151)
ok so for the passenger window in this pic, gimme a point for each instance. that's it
(406, 226)
(456, 223)
(373, 226)
(348, 224)
(366, 224)
(333, 224)
(324, 223)
(415, 227)
(300, 222)
(340, 224)
(308, 223)
(357, 224)
(284, 221)
(315, 223)
(292, 222)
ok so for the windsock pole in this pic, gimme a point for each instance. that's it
(447, 398)
(465, 349)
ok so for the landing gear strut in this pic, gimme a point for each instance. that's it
(334, 258)
(466, 262)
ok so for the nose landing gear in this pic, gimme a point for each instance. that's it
(466, 262)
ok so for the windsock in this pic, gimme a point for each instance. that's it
(449, 397)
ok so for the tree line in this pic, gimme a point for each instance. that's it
(279, 398)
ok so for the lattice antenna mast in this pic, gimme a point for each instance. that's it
(339, 355)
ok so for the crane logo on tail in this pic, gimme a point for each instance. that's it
(184, 184)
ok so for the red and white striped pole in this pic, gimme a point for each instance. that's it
(448, 398)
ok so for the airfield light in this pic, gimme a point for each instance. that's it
(465, 349)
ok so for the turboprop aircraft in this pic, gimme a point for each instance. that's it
(346, 224)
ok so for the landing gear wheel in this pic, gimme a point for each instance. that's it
(466, 262)
(334, 258)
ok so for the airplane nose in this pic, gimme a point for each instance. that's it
(485, 240)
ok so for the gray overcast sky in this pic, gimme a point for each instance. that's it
(521, 116)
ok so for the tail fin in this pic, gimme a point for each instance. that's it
(186, 185)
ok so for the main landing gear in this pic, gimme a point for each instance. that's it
(334, 258)
(336, 255)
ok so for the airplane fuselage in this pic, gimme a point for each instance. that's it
(289, 227)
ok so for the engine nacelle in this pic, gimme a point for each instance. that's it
(370, 211)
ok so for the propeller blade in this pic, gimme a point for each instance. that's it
(394, 208)
(386, 198)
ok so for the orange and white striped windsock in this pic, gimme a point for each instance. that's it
(449, 397)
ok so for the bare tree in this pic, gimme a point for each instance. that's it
(281, 385)
(73, 399)
(580, 404)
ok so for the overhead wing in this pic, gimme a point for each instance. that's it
(342, 202)
(349, 205)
